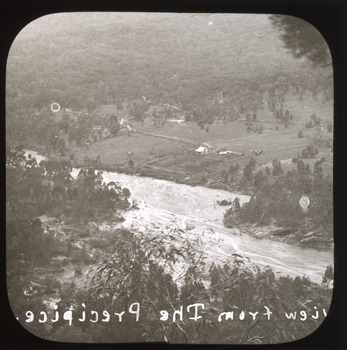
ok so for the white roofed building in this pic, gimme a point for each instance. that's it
(202, 150)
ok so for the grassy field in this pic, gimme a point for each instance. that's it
(276, 141)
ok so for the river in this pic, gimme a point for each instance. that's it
(164, 205)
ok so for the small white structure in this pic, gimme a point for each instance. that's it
(231, 152)
(202, 150)
(179, 121)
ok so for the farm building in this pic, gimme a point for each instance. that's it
(202, 150)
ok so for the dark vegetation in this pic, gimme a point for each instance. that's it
(49, 188)
(275, 198)
(302, 39)
(236, 286)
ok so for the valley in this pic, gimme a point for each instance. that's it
(163, 159)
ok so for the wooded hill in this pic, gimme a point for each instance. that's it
(88, 59)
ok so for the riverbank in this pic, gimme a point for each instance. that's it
(165, 205)
(91, 241)
(306, 238)
(314, 239)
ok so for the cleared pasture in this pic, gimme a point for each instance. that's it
(276, 140)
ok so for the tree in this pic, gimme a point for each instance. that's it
(115, 128)
(259, 178)
(247, 172)
(126, 192)
(302, 39)
(328, 277)
(277, 167)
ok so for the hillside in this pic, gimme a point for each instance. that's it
(107, 58)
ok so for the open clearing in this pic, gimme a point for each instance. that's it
(276, 141)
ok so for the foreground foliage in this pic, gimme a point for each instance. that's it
(142, 269)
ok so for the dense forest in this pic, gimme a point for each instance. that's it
(82, 63)
(275, 198)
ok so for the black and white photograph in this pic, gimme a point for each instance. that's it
(169, 178)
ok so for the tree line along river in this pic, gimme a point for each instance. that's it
(163, 204)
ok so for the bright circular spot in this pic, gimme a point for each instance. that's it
(55, 107)
(304, 202)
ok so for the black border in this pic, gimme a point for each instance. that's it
(328, 16)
